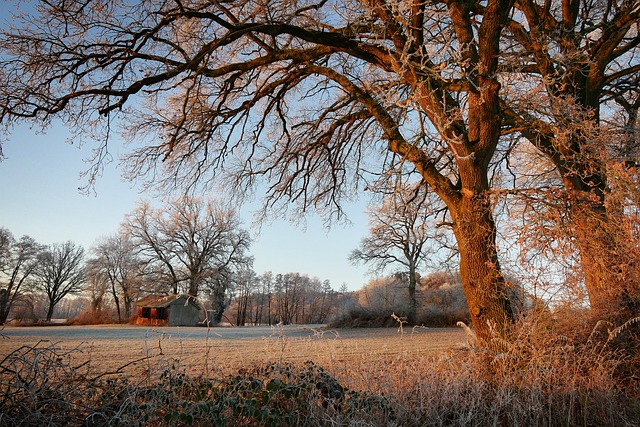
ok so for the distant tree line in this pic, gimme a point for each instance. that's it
(29, 270)
(291, 298)
(439, 300)
(188, 245)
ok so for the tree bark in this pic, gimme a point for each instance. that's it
(116, 301)
(219, 301)
(412, 317)
(127, 305)
(483, 282)
(193, 287)
(50, 312)
(5, 306)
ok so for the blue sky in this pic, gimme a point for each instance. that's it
(40, 176)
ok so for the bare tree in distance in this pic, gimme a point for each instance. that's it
(60, 272)
(246, 284)
(115, 259)
(18, 260)
(97, 288)
(403, 232)
(292, 298)
(307, 95)
(194, 242)
(144, 227)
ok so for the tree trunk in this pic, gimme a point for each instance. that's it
(606, 243)
(412, 314)
(193, 288)
(127, 306)
(608, 250)
(50, 312)
(483, 283)
(259, 308)
(5, 306)
(472, 213)
(242, 311)
(117, 302)
(219, 301)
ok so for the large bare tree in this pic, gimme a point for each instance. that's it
(18, 260)
(307, 94)
(192, 241)
(576, 100)
(60, 271)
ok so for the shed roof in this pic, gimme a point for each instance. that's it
(157, 301)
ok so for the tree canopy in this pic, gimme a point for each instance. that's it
(190, 242)
(60, 272)
(18, 261)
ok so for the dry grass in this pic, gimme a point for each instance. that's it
(332, 379)
(226, 355)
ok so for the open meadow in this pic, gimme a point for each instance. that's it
(200, 350)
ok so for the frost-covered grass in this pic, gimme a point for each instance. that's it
(539, 378)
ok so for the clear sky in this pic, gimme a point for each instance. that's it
(39, 180)
(40, 176)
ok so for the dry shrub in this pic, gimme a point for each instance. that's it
(537, 379)
(359, 317)
(431, 316)
(40, 387)
(442, 303)
(558, 377)
(93, 317)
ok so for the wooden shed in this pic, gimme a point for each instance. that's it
(172, 310)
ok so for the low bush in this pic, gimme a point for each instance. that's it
(359, 317)
(93, 317)
(431, 316)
